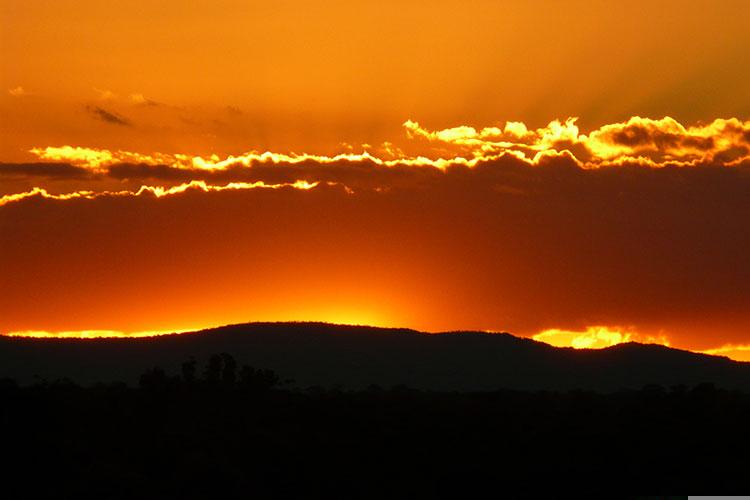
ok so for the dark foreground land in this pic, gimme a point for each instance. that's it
(370, 413)
(216, 430)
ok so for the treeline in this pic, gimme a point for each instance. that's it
(220, 372)
(221, 430)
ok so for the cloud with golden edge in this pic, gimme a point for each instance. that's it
(98, 159)
(157, 191)
(638, 141)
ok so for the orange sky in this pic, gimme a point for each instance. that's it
(229, 76)
(464, 198)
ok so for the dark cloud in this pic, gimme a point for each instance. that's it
(150, 102)
(356, 175)
(638, 136)
(50, 170)
(108, 116)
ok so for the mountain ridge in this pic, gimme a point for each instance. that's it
(353, 356)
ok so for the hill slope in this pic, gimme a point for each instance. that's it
(355, 357)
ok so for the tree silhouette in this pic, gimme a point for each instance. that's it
(189, 371)
(229, 370)
(212, 373)
(154, 380)
(258, 380)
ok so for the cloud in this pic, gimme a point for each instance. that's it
(655, 143)
(233, 111)
(18, 92)
(105, 95)
(156, 191)
(50, 170)
(666, 140)
(510, 168)
(108, 116)
(140, 100)
(636, 142)
(135, 98)
(95, 159)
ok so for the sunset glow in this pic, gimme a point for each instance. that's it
(438, 167)
(512, 164)
(735, 352)
(90, 334)
(446, 240)
(597, 337)
(592, 338)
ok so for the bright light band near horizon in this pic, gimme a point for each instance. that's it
(593, 337)
(93, 334)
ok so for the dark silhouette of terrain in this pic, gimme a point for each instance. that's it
(354, 357)
(218, 429)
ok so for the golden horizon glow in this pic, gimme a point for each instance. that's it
(341, 319)
(597, 337)
(737, 352)
(593, 337)
(601, 337)
(93, 334)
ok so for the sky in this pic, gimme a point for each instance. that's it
(578, 172)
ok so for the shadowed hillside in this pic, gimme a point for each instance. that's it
(355, 357)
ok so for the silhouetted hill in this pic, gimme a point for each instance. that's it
(355, 357)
